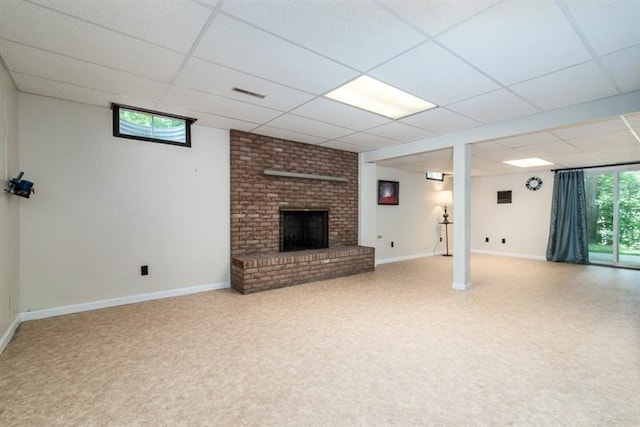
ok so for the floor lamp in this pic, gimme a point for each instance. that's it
(445, 197)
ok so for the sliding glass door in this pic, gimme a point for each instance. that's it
(613, 215)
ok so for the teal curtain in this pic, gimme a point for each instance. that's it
(568, 240)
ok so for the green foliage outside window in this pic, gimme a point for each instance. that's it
(135, 117)
(143, 124)
(600, 218)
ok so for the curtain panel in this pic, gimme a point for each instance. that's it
(568, 239)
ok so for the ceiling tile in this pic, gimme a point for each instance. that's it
(545, 150)
(219, 80)
(598, 128)
(498, 155)
(51, 66)
(633, 119)
(618, 154)
(213, 104)
(423, 167)
(608, 25)
(288, 135)
(494, 107)
(440, 120)
(445, 154)
(219, 122)
(574, 85)
(38, 86)
(482, 162)
(368, 140)
(527, 139)
(485, 147)
(356, 33)
(45, 29)
(210, 3)
(624, 66)
(622, 138)
(438, 160)
(434, 74)
(309, 127)
(518, 40)
(390, 163)
(401, 132)
(574, 159)
(435, 16)
(172, 24)
(346, 146)
(237, 45)
(541, 150)
(339, 114)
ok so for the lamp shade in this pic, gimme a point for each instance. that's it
(445, 197)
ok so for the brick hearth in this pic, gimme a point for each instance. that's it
(256, 200)
(261, 272)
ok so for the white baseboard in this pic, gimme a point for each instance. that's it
(403, 258)
(8, 334)
(509, 254)
(95, 305)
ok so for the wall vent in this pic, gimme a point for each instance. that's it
(248, 92)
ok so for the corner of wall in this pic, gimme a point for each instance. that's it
(9, 210)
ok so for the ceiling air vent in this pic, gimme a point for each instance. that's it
(248, 92)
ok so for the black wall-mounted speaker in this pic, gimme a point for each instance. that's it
(20, 187)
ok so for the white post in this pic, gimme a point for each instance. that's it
(366, 203)
(461, 217)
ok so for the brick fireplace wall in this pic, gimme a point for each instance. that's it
(256, 199)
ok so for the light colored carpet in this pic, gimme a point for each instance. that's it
(533, 343)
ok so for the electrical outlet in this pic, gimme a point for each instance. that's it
(504, 240)
(144, 270)
(486, 240)
(441, 238)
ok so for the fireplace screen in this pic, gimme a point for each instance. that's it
(304, 229)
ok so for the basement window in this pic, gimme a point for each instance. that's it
(147, 125)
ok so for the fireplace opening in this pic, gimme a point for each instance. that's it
(302, 229)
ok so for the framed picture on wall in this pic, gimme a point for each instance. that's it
(388, 192)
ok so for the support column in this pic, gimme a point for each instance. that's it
(461, 217)
(367, 174)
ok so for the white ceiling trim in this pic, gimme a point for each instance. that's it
(599, 109)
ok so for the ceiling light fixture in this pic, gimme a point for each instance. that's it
(380, 98)
(527, 163)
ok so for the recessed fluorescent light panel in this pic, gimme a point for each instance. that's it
(380, 98)
(527, 163)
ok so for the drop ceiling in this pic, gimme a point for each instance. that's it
(482, 62)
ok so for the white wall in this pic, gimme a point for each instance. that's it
(9, 205)
(104, 206)
(524, 223)
(412, 225)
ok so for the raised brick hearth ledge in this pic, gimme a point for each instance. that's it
(261, 272)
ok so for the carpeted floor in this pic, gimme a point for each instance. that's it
(533, 343)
